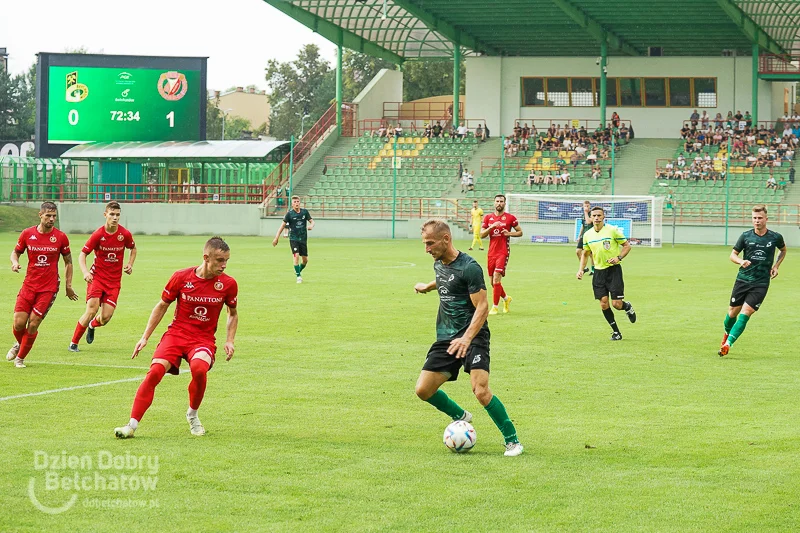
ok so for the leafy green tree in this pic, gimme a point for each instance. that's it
(9, 94)
(213, 120)
(422, 79)
(25, 104)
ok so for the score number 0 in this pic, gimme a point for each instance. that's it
(73, 118)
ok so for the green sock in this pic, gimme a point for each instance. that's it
(442, 402)
(297, 269)
(738, 328)
(497, 412)
(302, 266)
(729, 322)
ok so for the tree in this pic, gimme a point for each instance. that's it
(422, 79)
(299, 87)
(213, 119)
(25, 105)
(9, 93)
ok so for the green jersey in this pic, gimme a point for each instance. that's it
(603, 244)
(296, 223)
(455, 283)
(760, 251)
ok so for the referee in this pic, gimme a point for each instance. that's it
(607, 246)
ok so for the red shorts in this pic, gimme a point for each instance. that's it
(173, 349)
(107, 295)
(497, 263)
(37, 302)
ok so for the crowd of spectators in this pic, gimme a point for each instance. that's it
(706, 142)
(589, 146)
(460, 132)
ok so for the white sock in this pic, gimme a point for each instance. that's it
(504, 297)
(133, 424)
(191, 412)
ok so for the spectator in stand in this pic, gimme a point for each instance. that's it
(591, 157)
(437, 129)
(398, 130)
(704, 119)
(751, 160)
(539, 178)
(573, 159)
(730, 120)
(428, 130)
(615, 119)
(470, 181)
(464, 181)
(526, 131)
(771, 183)
(531, 178)
(681, 161)
(565, 177)
(624, 132)
(596, 173)
(383, 132)
(748, 119)
(461, 133)
(791, 175)
(718, 121)
(523, 143)
(694, 118)
(479, 133)
(685, 131)
(448, 116)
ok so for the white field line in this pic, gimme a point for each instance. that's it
(67, 389)
(90, 364)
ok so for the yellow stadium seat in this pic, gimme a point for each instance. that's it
(414, 153)
(417, 140)
(425, 140)
(405, 153)
(420, 146)
(537, 153)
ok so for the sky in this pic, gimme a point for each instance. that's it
(239, 37)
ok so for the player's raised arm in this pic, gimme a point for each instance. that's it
(71, 294)
(422, 288)
(131, 260)
(152, 323)
(232, 325)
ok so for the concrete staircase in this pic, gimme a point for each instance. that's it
(341, 147)
(636, 168)
(490, 148)
(792, 196)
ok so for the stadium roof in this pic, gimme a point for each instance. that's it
(217, 151)
(398, 30)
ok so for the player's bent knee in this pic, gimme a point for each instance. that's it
(163, 362)
(482, 393)
(201, 356)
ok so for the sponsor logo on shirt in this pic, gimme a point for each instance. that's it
(188, 285)
(201, 299)
(32, 237)
(200, 313)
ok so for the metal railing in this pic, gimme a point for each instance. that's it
(373, 207)
(413, 127)
(739, 213)
(543, 124)
(421, 110)
(772, 64)
(412, 162)
(147, 193)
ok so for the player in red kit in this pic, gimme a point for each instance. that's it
(44, 243)
(201, 293)
(498, 226)
(105, 277)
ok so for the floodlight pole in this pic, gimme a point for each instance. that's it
(603, 80)
(754, 112)
(456, 83)
(339, 90)
(291, 165)
(728, 186)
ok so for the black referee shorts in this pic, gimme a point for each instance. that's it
(608, 281)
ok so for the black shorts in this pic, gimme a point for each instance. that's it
(438, 360)
(608, 281)
(744, 293)
(299, 247)
(580, 243)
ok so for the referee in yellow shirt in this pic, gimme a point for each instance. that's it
(477, 219)
(607, 246)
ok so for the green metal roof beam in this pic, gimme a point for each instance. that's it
(753, 31)
(444, 28)
(596, 29)
(334, 33)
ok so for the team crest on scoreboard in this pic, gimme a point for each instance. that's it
(172, 85)
(218, 285)
(76, 92)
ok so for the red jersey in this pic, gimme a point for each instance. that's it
(200, 303)
(44, 250)
(109, 254)
(499, 243)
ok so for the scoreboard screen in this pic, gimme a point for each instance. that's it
(94, 98)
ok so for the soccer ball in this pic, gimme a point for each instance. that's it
(460, 436)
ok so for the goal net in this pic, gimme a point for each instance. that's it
(549, 218)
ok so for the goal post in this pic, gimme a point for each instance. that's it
(550, 218)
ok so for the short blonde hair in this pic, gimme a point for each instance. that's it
(760, 209)
(437, 226)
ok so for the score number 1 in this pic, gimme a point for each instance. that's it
(171, 118)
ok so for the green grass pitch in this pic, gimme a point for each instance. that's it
(314, 425)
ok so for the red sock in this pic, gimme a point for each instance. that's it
(18, 334)
(144, 396)
(496, 290)
(79, 331)
(26, 344)
(197, 387)
(94, 323)
(502, 290)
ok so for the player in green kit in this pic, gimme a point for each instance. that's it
(607, 247)
(757, 248)
(462, 333)
(299, 222)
